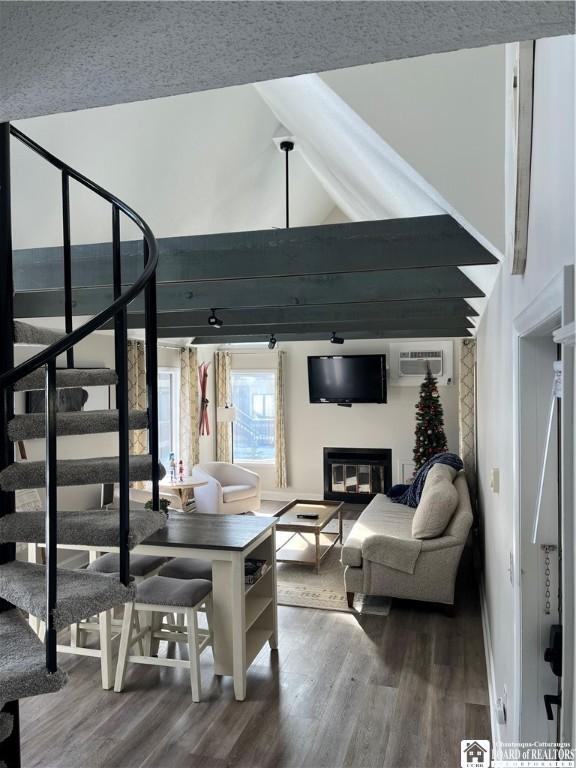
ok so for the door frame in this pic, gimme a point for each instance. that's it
(552, 309)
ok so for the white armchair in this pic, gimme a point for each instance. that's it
(229, 489)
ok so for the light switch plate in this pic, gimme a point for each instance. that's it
(495, 480)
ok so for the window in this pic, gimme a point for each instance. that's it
(254, 398)
(168, 432)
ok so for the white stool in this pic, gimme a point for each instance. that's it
(105, 625)
(155, 598)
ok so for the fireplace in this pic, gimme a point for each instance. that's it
(356, 474)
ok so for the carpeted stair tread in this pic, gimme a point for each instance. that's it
(6, 725)
(80, 594)
(22, 661)
(69, 377)
(32, 425)
(96, 527)
(31, 474)
(24, 333)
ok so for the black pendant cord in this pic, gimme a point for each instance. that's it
(287, 147)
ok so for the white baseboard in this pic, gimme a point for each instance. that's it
(494, 725)
(285, 495)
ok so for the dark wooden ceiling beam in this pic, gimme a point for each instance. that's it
(411, 243)
(386, 285)
(408, 333)
(339, 326)
(447, 308)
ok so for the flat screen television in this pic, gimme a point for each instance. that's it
(347, 379)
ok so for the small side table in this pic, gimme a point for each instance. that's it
(182, 487)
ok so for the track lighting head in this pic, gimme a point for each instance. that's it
(273, 341)
(336, 339)
(214, 321)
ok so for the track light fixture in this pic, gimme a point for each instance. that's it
(336, 339)
(214, 321)
(272, 343)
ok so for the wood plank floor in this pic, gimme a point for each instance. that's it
(395, 691)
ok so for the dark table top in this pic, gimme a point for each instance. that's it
(232, 532)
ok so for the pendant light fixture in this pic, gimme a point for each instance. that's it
(287, 146)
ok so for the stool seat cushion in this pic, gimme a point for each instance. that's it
(184, 593)
(187, 568)
(140, 565)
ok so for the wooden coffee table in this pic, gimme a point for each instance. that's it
(309, 543)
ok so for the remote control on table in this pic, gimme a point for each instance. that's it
(308, 517)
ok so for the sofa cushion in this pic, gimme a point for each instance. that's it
(437, 505)
(381, 516)
(398, 553)
(440, 472)
(237, 492)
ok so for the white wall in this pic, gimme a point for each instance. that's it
(444, 114)
(193, 164)
(311, 427)
(551, 245)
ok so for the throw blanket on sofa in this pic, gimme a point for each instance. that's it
(410, 494)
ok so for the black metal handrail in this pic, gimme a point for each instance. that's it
(117, 310)
(149, 272)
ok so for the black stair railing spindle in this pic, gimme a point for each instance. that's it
(51, 515)
(67, 262)
(121, 358)
(7, 500)
(151, 341)
(10, 747)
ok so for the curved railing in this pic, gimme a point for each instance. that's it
(117, 311)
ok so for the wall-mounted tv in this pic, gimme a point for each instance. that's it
(347, 379)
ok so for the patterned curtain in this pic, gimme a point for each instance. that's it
(223, 383)
(467, 411)
(281, 479)
(137, 393)
(189, 415)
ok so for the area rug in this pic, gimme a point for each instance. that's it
(302, 587)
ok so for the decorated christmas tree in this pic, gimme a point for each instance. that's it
(430, 435)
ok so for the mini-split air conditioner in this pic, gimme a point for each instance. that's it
(417, 362)
(409, 361)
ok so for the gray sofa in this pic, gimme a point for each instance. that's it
(382, 557)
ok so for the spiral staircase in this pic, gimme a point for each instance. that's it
(57, 596)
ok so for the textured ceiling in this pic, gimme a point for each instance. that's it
(64, 56)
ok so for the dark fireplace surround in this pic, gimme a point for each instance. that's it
(355, 475)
